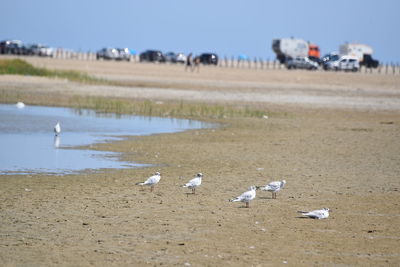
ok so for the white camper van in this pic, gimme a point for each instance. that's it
(362, 52)
(289, 48)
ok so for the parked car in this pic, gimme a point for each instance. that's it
(170, 57)
(123, 54)
(327, 58)
(107, 53)
(152, 56)
(180, 58)
(42, 50)
(175, 57)
(369, 62)
(301, 63)
(208, 59)
(14, 47)
(346, 63)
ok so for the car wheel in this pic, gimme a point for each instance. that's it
(355, 69)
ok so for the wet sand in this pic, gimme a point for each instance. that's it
(337, 155)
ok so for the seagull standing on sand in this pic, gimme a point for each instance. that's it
(316, 214)
(152, 181)
(246, 196)
(273, 187)
(195, 182)
(57, 128)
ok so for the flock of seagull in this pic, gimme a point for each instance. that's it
(273, 187)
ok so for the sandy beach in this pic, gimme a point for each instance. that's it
(334, 137)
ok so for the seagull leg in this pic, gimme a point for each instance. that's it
(247, 204)
(151, 188)
(193, 191)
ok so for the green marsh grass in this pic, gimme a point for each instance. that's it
(116, 105)
(21, 67)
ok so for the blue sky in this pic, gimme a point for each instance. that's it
(227, 27)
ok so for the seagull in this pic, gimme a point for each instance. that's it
(151, 181)
(316, 214)
(195, 182)
(273, 187)
(57, 128)
(246, 196)
(20, 105)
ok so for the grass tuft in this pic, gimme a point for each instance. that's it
(21, 67)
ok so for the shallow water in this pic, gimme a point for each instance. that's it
(29, 145)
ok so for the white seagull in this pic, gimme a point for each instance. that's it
(195, 182)
(273, 187)
(151, 181)
(316, 214)
(57, 128)
(20, 105)
(246, 196)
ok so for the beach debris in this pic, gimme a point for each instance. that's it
(316, 214)
(20, 105)
(151, 181)
(273, 187)
(246, 197)
(28, 190)
(194, 183)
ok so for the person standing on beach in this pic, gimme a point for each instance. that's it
(189, 62)
(196, 64)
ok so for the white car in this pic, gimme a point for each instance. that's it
(301, 63)
(346, 63)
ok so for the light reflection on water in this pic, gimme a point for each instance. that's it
(28, 144)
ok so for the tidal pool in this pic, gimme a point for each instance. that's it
(28, 144)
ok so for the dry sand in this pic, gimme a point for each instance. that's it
(334, 137)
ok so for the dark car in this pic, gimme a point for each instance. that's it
(369, 62)
(151, 56)
(14, 47)
(208, 58)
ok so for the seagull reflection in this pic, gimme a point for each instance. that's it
(56, 141)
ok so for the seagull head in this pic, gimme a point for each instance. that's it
(284, 181)
(326, 209)
(200, 175)
(157, 173)
(253, 187)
